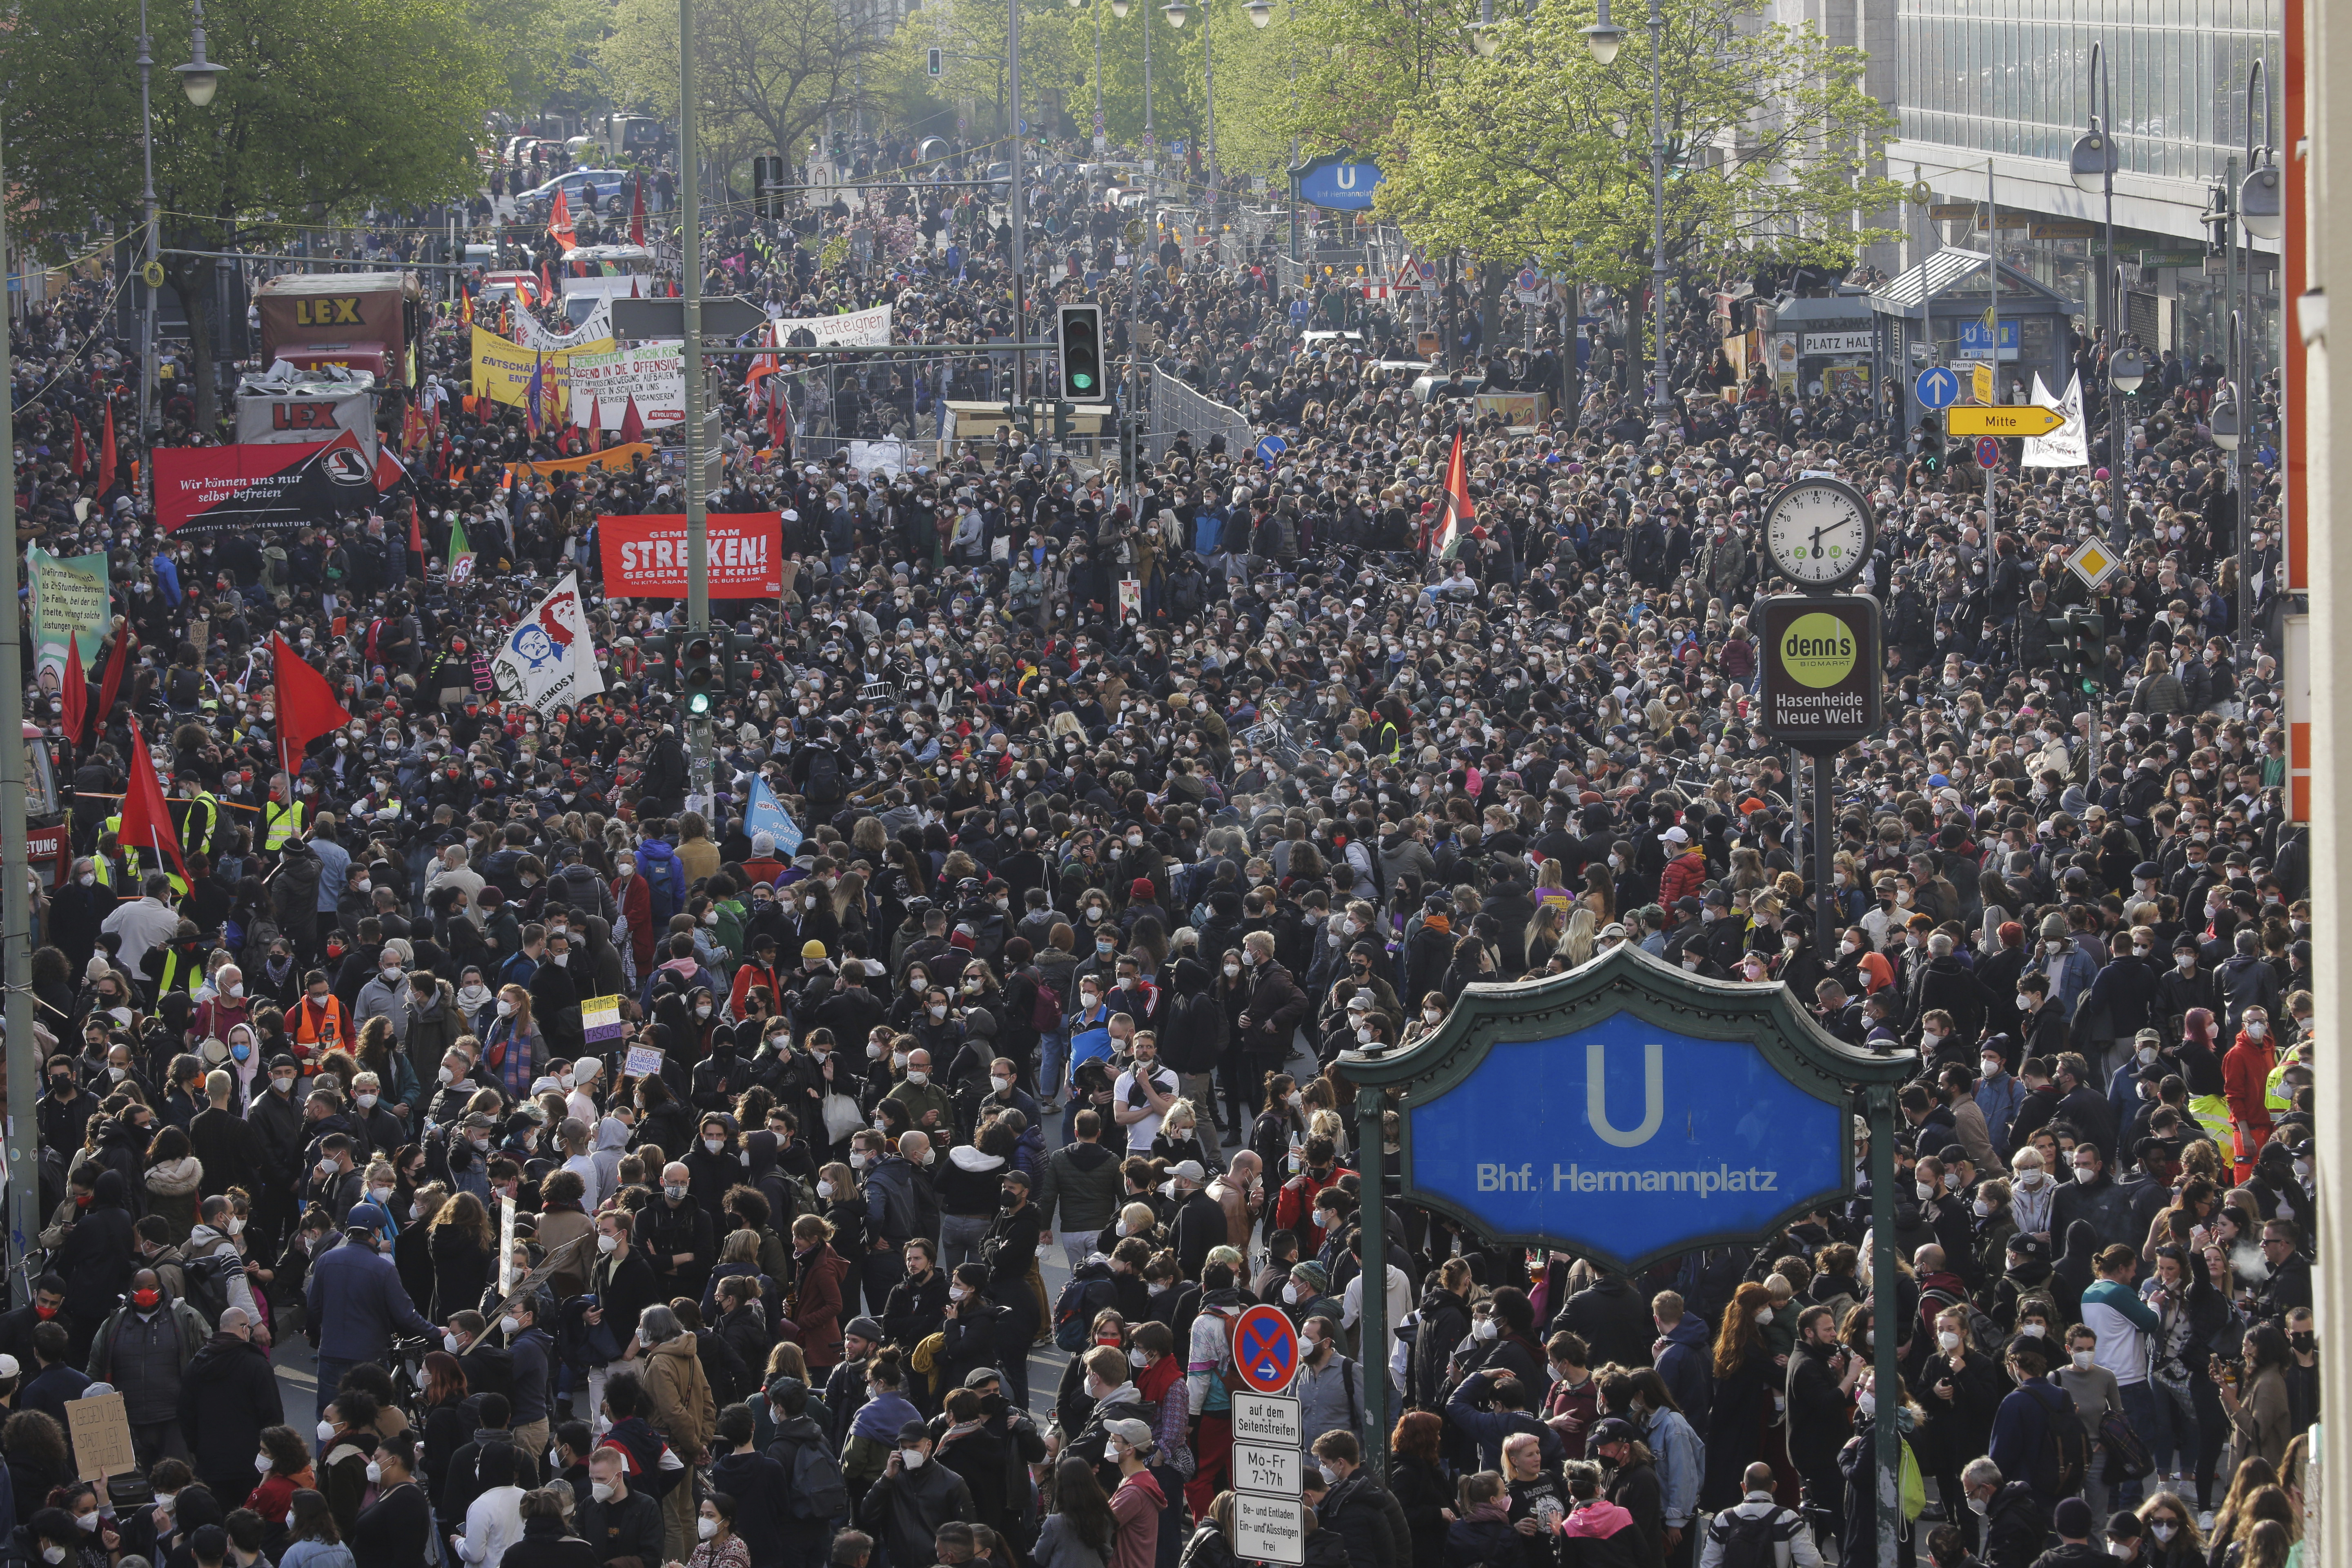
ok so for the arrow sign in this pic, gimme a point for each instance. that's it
(1988, 452)
(2005, 421)
(1937, 387)
(1265, 1349)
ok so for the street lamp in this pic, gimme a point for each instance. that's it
(1661, 401)
(200, 79)
(1604, 38)
(1178, 13)
(2263, 217)
(1261, 12)
(2093, 163)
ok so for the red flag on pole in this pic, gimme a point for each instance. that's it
(146, 818)
(633, 424)
(307, 708)
(637, 221)
(1455, 511)
(75, 691)
(558, 219)
(117, 662)
(106, 452)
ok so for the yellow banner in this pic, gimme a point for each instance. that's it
(502, 369)
(610, 457)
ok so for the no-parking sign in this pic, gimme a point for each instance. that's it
(1265, 1349)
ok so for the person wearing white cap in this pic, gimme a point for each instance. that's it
(1200, 1223)
(1138, 1503)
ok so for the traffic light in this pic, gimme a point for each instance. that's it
(2062, 646)
(767, 176)
(1082, 353)
(1931, 442)
(2089, 635)
(934, 61)
(700, 674)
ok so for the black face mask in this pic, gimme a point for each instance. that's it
(1010, 1197)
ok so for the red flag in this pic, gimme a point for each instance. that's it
(77, 690)
(106, 452)
(637, 220)
(116, 663)
(307, 708)
(558, 219)
(1455, 511)
(80, 452)
(415, 534)
(633, 424)
(146, 819)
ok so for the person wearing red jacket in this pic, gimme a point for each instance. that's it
(1686, 871)
(634, 900)
(2245, 1083)
(1294, 1206)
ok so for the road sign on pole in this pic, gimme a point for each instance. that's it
(1265, 1349)
(1988, 452)
(1269, 1519)
(1937, 387)
(2005, 419)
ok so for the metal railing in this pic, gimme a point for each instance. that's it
(1170, 407)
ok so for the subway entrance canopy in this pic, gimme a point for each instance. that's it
(1628, 1110)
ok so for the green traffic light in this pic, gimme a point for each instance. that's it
(1080, 379)
(697, 703)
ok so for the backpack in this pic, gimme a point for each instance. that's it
(2127, 1455)
(2063, 1458)
(1075, 1310)
(1046, 1008)
(823, 786)
(819, 1489)
(206, 1282)
(1751, 1542)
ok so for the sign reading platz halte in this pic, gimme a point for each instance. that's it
(1626, 1110)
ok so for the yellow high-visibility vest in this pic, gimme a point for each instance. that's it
(282, 822)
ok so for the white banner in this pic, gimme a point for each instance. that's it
(306, 419)
(653, 373)
(532, 334)
(2068, 446)
(856, 330)
(548, 659)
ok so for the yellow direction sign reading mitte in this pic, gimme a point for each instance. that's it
(2003, 420)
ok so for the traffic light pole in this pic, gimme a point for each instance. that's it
(697, 535)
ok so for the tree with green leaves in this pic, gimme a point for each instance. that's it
(1542, 152)
(325, 109)
(767, 70)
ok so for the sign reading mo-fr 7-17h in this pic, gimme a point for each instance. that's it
(1626, 1110)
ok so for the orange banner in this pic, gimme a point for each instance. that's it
(610, 457)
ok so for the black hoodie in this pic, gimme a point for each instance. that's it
(1194, 1037)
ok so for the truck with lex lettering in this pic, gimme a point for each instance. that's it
(375, 321)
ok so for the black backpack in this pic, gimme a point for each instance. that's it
(2063, 1458)
(1075, 1310)
(206, 1282)
(1752, 1541)
(823, 786)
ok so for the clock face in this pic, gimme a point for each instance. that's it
(1819, 534)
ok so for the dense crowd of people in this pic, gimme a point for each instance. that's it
(900, 1213)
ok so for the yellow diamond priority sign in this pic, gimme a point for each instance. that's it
(2093, 563)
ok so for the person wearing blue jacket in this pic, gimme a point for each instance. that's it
(1676, 1450)
(354, 1301)
(1683, 1358)
(1509, 1415)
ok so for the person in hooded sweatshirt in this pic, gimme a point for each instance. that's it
(95, 1260)
(1684, 1357)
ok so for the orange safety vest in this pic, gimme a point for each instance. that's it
(319, 1028)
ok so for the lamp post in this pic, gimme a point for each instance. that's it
(1603, 39)
(1099, 141)
(1177, 12)
(2127, 370)
(2093, 163)
(2261, 212)
(1012, 205)
(199, 79)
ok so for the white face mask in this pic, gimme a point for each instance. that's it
(1763, 1316)
(510, 1325)
(714, 1144)
(607, 1243)
(1926, 1190)
(704, 1529)
(375, 1472)
(327, 1428)
(1001, 1084)
(825, 1189)
(918, 1077)
(2086, 1173)
(913, 1458)
(366, 1101)
(506, 1009)
(2082, 1358)
(1983, 1208)
(1948, 1339)
(1487, 1329)
(1865, 1403)
(601, 1490)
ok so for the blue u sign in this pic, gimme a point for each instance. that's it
(1625, 1142)
(1340, 182)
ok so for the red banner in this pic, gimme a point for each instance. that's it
(262, 486)
(644, 557)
